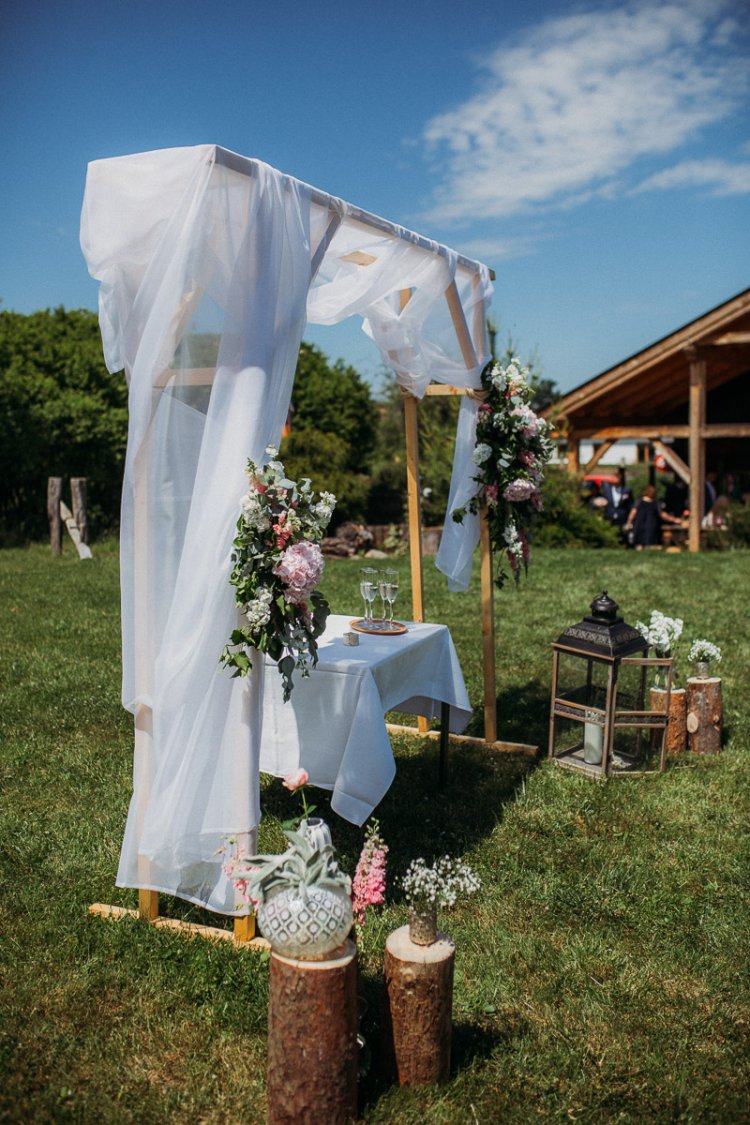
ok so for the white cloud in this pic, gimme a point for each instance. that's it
(565, 112)
(724, 178)
(500, 249)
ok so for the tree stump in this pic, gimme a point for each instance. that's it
(312, 1040)
(419, 987)
(78, 495)
(54, 496)
(704, 715)
(676, 737)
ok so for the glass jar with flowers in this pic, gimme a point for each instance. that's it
(700, 656)
(662, 634)
(426, 888)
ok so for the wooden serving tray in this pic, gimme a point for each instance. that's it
(393, 630)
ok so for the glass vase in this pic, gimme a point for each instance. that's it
(702, 670)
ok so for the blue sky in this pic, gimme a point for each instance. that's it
(596, 155)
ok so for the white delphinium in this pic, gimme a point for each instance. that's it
(440, 885)
(662, 632)
(704, 650)
(324, 508)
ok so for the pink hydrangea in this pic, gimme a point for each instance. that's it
(299, 569)
(519, 490)
(491, 493)
(526, 457)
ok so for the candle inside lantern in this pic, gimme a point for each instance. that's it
(593, 742)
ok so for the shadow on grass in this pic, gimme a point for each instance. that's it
(522, 715)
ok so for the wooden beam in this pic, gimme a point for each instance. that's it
(462, 329)
(488, 628)
(574, 452)
(84, 551)
(448, 389)
(467, 740)
(730, 338)
(697, 447)
(600, 452)
(188, 929)
(726, 430)
(620, 433)
(674, 460)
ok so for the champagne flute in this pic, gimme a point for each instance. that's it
(390, 585)
(368, 589)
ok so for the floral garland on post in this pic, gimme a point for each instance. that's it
(277, 565)
(513, 446)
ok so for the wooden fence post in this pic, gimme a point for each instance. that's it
(54, 496)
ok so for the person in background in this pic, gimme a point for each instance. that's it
(619, 500)
(645, 520)
(676, 497)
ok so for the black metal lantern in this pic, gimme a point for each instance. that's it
(599, 721)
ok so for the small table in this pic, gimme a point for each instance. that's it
(333, 726)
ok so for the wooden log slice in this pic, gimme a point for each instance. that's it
(676, 727)
(312, 1040)
(704, 715)
(419, 1007)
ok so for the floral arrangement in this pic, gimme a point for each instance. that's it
(426, 888)
(662, 633)
(277, 566)
(368, 886)
(704, 650)
(512, 448)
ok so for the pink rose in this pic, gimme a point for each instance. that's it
(296, 780)
(299, 569)
(491, 493)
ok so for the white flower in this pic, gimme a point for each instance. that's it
(662, 632)
(258, 611)
(438, 885)
(482, 452)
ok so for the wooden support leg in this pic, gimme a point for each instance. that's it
(244, 928)
(488, 630)
(148, 905)
(445, 712)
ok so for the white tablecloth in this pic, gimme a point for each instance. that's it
(334, 724)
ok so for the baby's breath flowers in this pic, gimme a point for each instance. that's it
(426, 888)
(704, 651)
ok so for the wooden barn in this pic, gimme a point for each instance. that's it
(688, 394)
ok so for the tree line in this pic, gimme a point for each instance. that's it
(63, 414)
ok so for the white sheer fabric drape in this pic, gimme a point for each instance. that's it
(206, 265)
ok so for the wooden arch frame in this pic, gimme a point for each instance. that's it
(472, 344)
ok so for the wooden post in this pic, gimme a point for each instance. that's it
(676, 736)
(488, 628)
(312, 1040)
(697, 447)
(79, 496)
(574, 453)
(54, 496)
(704, 715)
(419, 987)
(411, 427)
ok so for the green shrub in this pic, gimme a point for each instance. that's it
(566, 521)
(738, 532)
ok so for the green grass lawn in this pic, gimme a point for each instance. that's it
(601, 973)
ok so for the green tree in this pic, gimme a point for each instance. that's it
(324, 457)
(61, 414)
(334, 399)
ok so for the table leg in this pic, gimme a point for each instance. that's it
(443, 763)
